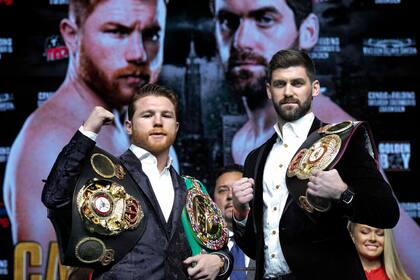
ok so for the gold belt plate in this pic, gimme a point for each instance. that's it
(107, 209)
(316, 157)
(206, 219)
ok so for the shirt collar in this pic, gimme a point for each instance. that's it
(299, 128)
(146, 157)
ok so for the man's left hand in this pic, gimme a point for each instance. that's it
(326, 184)
(204, 266)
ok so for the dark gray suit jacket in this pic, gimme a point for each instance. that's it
(163, 246)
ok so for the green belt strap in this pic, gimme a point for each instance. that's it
(195, 246)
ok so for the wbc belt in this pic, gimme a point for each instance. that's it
(203, 223)
(322, 150)
(107, 214)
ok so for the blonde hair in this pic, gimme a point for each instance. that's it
(389, 258)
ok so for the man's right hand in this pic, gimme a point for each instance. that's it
(242, 194)
(97, 118)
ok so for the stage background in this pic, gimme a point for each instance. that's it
(366, 58)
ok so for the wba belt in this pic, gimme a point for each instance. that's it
(107, 215)
(322, 150)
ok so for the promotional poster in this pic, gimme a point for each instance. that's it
(366, 58)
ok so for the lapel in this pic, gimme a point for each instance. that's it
(133, 166)
(179, 201)
(263, 152)
(315, 125)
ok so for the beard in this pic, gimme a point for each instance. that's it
(296, 113)
(110, 89)
(144, 140)
(245, 82)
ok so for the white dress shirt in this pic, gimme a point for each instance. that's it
(275, 192)
(161, 181)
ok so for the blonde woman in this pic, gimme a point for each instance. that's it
(377, 251)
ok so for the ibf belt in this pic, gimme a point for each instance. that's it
(202, 220)
(322, 150)
(107, 213)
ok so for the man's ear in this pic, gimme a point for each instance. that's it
(309, 32)
(316, 88)
(267, 89)
(128, 126)
(69, 32)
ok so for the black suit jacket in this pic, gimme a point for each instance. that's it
(318, 245)
(163, 246)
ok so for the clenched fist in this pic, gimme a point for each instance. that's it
(242, 194)
(97, 118)
(326, 184)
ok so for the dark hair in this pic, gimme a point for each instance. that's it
(289, 58)
(220, 172)
(155, 90)
(229, 168)
(81, 9)
(300, 8)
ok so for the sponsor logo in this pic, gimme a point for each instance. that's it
(395, 156)
(325, 47)
(391, 102)
(389, 47)
(6, 102)
(4, 153)
(59, 2)
(5, 46)
(411, 208)
(55, 49)
(387, 2)
(43, 96)
(3, 267)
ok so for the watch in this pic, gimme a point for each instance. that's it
(347, 196)
(224, 263)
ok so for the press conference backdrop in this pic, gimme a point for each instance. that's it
(366, 58)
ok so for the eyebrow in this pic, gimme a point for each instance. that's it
(157, 111)
(253, 13)
(154, 25)
(264, 10)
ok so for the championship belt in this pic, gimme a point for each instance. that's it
(107, 215)
(202, 220)
(322, 150)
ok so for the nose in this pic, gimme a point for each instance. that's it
(288, 91)
(229, 196)
(372, 236)
(157, 121)
(136, 53)
(244, 35)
